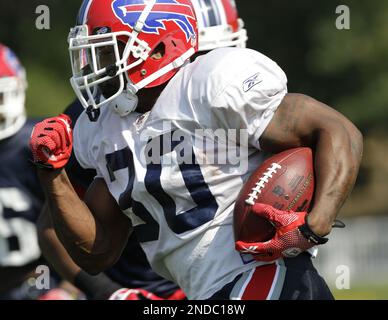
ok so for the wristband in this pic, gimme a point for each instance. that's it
(309, 234)
(98, 287)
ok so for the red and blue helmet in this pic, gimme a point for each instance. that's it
(219, 24)
(132, 30)
(12, 93)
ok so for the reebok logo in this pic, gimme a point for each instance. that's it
(251, 82)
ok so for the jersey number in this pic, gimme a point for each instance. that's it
(18, 238)
(205, 204)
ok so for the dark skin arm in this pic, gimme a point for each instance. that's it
(53, 249)
(301, 121)
(93, 232)
(98, 287)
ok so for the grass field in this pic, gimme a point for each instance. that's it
(362, 293)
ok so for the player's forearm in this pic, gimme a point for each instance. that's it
(76, 227)
(303, 121)
(53, 250)
(95, 287)
(338, 154)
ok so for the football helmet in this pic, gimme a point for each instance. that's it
(219, 24)
(137, 43)
(13, 85)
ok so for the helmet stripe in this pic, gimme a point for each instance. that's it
(217, 12)
(83, 12)
(199, 13)
(211, 13)
(221, 12)
(205, 13)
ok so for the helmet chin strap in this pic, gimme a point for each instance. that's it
(127, 101)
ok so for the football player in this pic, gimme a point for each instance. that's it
(217, 23)
(132, 269)
(21, 196)
(147, 112)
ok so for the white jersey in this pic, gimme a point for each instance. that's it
(182, 211)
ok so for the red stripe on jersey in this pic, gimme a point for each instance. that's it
(261, 282)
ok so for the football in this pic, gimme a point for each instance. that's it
(284, 181)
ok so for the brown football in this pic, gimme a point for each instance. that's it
(284, 181)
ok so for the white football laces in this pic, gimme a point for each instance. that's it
(260, 185)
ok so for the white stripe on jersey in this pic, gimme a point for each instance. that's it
(277, 285)
(246, 282)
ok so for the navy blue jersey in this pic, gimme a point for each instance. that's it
(132, 270)
(21, 199)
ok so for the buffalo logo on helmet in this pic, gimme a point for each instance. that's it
(129, 11)
(9, 63)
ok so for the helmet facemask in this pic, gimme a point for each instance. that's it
(219, 25)
(90, 74)
(12, 100)
(98, 59)
(222, 36)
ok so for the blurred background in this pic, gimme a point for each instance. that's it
(347, 69)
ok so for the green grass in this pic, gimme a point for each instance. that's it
(362, 293)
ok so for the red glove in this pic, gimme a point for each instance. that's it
(57, 294)
(133, 294)
(51, 142)
(288, 240)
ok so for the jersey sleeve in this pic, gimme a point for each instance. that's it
(83, 142)
(247, 88)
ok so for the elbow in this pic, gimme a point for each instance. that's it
(356, 142)
(94, 265)
(358, 139)
(347, 137)
(354, 151)
(92, 269)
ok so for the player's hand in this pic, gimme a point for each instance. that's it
(288, 240)
(133, 294)
(51, 142)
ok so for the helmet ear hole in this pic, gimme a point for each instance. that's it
(159, 52)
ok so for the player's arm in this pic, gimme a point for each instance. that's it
(95, 287)
(301, 121)
(52, 248)
(94, 232)
(338, 146)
